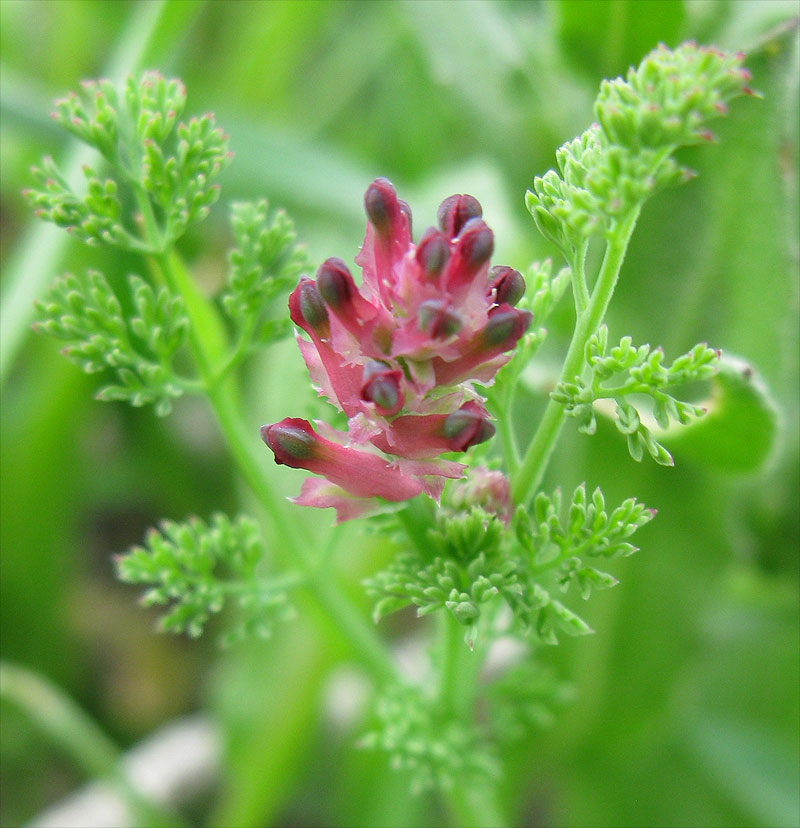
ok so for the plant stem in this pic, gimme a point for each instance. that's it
(66, 724)
(343, 619)
(534, 463)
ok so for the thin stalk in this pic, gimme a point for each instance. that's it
(579, 288)
(530, 473)
(507, 435)
(70, 727)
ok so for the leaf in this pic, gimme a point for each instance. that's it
(741, 428)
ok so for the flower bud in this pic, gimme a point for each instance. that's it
(437, 320)
(505, 323)
(432, 253)
(306, 303)
(476, 242)
(454, 212)
(490, 490)
(292, 440)
(380, 202)
(467, 427)
(335, 282)
(381, 385)
(507, 284)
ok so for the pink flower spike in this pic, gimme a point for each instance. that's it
(295, 443)
(323, 494)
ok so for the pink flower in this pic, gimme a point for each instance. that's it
(400, 354)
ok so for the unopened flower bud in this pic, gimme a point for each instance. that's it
(292, 440)
(335, 282)
(381, 385)
(476, 242)
(505, 323)
(454, 212)
(311, 305)
(467, 427)
(437, 320)
(507, 284)
(490, 490)
(432, 253)
(380, 201)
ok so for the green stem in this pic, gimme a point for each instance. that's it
(579, 288)
(507, 435)
(343, 619)
(70, 727)
(534, 463)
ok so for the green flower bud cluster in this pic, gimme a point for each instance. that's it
(614, 166)
(95, 218)
(138, 349)
(475, 562)
(528, 695)
(266, 261)
(438, 752)
(197, 568)
(153, 155)
(668, 100)
(468, 565)
(643, 372)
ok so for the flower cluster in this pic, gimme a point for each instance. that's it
(399, 355)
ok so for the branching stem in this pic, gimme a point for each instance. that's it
(530, 473)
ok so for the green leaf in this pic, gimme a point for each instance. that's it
(741, 428)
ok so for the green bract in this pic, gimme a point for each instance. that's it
(619, 162)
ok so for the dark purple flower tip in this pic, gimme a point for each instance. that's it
(311, 305)
(476, 242)
(335, 282)
(380, 202)
(437, 320)
(432, 254)
(467, 427)
(381, 385)
(507, 284)
(454, 212)
(505, 325)
(292, 440)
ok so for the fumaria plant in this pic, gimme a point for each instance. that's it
(420, 362)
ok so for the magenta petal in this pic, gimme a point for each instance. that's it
(323, 494)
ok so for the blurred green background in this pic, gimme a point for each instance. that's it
(687, 702)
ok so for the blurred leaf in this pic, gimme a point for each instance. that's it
(605, 37)
(752, 764)
(741, 426)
